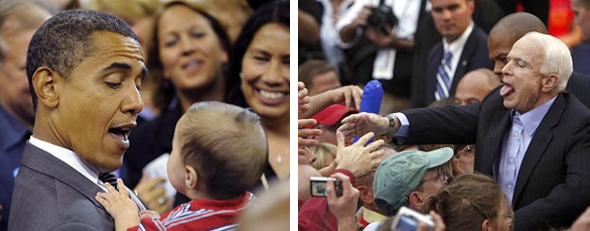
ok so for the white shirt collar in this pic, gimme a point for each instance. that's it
(457, 46)
(70, 158)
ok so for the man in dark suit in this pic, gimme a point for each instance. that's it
(511, 28)
(530, 134)
(462, 49)
(84, 70)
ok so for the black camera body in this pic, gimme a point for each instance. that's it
(382, 19)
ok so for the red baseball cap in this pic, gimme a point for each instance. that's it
(332, 114)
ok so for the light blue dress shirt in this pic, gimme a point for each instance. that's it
(514, 145)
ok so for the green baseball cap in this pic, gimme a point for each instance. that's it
(400, 174)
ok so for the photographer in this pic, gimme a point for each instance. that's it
(378, 36)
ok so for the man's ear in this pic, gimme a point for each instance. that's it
(485, 225)
(191, 178)
(550, 83)
(416, 200)
(366, 194)
(45, 84)
(457, 165)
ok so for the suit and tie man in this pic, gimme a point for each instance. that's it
(530, 134)
(511, 28)
(85, 70)
(462, 49)
(18, 21)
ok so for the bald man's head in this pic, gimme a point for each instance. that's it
(506, 32)
(475, 85)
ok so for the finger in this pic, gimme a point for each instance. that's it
(330, 193)
(365, 138)
(152, 183)
(351, 118)
(356, 95)
(300, 85)
(375, 145)
(110, 188)
(422, 227)
(102, 201)
(339, 140)
(439, 224)
(302, 93)
(302, 123)
(348, 98)
(123, 188)
(304, 100)
(307, 142)
(305, 132)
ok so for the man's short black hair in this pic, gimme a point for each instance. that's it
(64, 40)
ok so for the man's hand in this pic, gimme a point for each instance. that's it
(439, 225)
(381, 39)
(363, 123)
(358, 158)
(343, 207)
(153, 194)
(350, 96)
(303, 99)
(363, 16)
(583, 222)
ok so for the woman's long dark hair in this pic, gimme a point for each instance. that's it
(272, 12)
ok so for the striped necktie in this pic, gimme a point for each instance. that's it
(109, 177)
(443, 77)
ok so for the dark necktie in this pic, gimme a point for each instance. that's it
(109, 177)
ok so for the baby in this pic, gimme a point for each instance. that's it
(219, 151)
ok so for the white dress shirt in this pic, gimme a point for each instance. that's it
(456, 48)
(72, 159)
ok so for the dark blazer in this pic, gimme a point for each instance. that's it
(474, 56)
(578, 85)
(554, 179)
(50, 195)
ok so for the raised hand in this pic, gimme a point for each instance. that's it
(358, 158)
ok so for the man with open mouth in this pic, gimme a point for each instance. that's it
(530, 134)
(85, 70)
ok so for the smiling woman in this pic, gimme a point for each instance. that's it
(190, 49)
(261, 65)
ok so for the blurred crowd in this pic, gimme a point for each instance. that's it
(481, 120)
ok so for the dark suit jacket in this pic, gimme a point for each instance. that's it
(474, 56)
(553, 184)
(50, 195)
(578, 85)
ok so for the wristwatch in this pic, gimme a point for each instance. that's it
(391, 120)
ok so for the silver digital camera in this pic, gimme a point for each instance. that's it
(408, 220)
(317, 186)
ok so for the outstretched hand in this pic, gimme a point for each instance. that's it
(358, 158)
(363, 123)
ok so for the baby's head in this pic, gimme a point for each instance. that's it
(219, 150)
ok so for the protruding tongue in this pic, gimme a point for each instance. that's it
(506, 90)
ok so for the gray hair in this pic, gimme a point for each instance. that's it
(19, 12)
(557, 59)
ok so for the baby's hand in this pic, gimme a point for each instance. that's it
(117, 203)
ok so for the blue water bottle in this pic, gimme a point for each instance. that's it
(371, 100)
